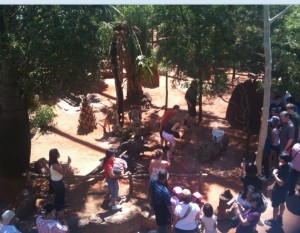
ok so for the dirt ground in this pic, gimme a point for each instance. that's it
(86, 198)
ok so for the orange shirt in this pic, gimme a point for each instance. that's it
(167, 116)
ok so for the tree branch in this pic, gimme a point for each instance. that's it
(280, 14)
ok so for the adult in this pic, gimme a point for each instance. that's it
(7, 222)
(191, 100)
(244, 198)
(168, 115)
(47, 222)
(161, 201)
(294, 172)
(280, 189)
(276, 106)
(287, 132)
(56, 178)
(295, 118)
(171, 130)
(248, 219)
(186, 215)
(112, 176)
(158, 164)
(291, 100)
(249, 177)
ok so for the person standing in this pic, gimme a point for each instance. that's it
(191, 100)
(161, 201)
(279, 189)
(168, 115)
(287, 132)
(294, 171)
(171, 131)
(7, 222)
(158, 164)
(112, 178)
(47, 222)
(209, 220)
(295, 118)
(186, 215)
(56, 178)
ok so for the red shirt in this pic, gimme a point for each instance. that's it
(108, 166)
(167, 117)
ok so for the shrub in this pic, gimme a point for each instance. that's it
(44, 117)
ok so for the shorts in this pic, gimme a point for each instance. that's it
(169, 138)
(276, 148)
(278, 198)
(113, 185)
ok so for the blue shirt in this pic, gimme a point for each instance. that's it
(160, 195)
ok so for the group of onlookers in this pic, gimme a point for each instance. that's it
(281, 151)
(180, 211)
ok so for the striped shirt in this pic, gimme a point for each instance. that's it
(160, 194)
(50, 226)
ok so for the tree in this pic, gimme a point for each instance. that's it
(45, 50)
(138, 51)
(267, 83)
(14, 122)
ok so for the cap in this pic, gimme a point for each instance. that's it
(284, 154)
(198, 196)
(7, 216)
(177, 190)
(48, 208)
(186, 192)
(274, 120)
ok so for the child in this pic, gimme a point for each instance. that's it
(279, 190)
(209, 220)
(198, 199)
(176, 197)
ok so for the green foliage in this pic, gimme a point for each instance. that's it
(57, 49)
(286, 52)
(44, 117)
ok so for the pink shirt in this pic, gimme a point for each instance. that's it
(296, 161)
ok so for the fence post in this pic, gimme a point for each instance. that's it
(130, 184)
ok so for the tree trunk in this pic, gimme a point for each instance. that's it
(118, 84)
(267, 88)
(15, 144)
(200, 114)
(167, 91)
(134, 87)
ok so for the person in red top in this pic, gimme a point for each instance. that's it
(112, 176)
(168, 115)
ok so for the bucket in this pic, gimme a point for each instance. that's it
(217, 135)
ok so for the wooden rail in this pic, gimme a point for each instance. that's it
(130, 177)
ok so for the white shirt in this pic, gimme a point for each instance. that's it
(8, 229)
(209, 224)
(296, 161)
(189, 222)
(55, 175)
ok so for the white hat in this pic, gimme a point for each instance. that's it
(7, 216)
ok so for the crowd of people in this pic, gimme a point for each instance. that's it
(182, 211)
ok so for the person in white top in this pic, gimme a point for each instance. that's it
(158, 164)
(56, 178)
(186, 215)
(7, 219)
(209, 220)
